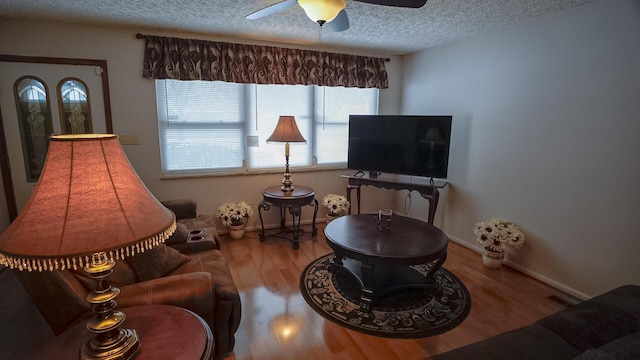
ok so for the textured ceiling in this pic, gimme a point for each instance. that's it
(375, 28)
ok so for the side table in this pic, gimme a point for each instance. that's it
(165, 332)
(292, 200)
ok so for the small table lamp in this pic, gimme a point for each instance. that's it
(286, 131)
(88, 209)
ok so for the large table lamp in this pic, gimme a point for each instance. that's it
(287, 132)
(88, 209)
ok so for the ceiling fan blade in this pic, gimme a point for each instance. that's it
(272, 9)
(397, 3)
(340, 23)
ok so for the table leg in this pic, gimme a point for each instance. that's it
(263, 205)
(368, 284)
(337, 259)
(283, 223)
(314, 229)
(295, 212)
(433, 204)
(357, 188)
(437, 264)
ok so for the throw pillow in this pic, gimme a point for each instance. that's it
(121, 275)
(156, 262)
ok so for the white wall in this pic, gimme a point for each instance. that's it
(547, 134)
(134, 110)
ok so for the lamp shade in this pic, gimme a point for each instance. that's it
(286, 131)
(88, 199)
(322, 11)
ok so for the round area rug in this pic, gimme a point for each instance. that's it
(408, 314)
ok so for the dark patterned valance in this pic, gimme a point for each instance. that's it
(187, 59)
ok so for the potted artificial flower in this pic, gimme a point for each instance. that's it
(234, 216)
(335, 205)
(494, 236)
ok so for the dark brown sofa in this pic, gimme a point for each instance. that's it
(202, 284)
(23, 330)
(196, 278)
(606, 327)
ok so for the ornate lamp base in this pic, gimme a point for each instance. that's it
(287, 183)
(125, 345)
(109, 343)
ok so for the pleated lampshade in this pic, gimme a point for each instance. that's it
(88, 199)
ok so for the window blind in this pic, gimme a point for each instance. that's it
(219, 127)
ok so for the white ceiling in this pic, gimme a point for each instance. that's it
(374, 28)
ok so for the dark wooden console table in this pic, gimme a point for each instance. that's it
(426, 188)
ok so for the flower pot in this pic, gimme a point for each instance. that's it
(236, 231)
(492, 259)
(331, 217)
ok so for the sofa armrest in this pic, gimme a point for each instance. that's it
(192, 247)
(183, 208)
(527, 343)
(228, 306)
(192, 291)
(597, 321)
(206, 223)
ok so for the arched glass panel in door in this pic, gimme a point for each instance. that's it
(75, 107)
(34, 117)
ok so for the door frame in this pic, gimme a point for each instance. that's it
(5, 167)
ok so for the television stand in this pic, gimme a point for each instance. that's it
(428, 188)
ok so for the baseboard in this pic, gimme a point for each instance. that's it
(529, 272)
(273, 226)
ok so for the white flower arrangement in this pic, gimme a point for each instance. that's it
(496, 234)
(234, 214)
(335, 204)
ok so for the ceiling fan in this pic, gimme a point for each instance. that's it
(329, 12)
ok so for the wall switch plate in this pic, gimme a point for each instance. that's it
(129, 139)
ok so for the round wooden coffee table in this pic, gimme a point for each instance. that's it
(381, 260)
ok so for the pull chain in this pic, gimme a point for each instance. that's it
(322, 57)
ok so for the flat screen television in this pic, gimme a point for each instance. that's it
(400, 144)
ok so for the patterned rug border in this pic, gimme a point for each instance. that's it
(448, 309)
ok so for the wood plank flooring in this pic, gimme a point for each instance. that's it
(278, 324)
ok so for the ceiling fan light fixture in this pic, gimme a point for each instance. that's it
(322, 11)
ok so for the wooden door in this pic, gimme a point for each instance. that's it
(52, 72)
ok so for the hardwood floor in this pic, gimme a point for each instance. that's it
(278, 324)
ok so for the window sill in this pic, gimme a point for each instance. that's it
(244, 172)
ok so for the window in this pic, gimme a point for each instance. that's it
(34, 116)
(212, 127)
(74, 104)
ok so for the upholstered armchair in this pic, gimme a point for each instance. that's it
(199, 281)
